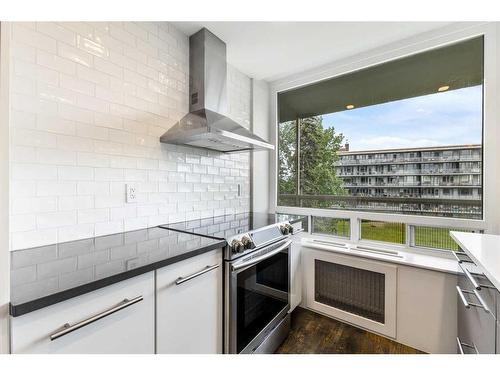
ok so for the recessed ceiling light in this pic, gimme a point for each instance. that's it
(443, 88)
(349, 106)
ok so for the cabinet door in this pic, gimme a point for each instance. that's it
(476, 326)
(189, 314)
(127, 330)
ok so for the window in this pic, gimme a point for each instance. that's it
(435, 238)
(333, 226)
(383, 231)
(411, 122)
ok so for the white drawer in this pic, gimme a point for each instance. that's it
(128, 330)
(476, 326)
(189, 312)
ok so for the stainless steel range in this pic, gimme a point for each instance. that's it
(256, 277)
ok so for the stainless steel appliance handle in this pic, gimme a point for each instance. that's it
(462, 344)
(475, 284)
(68, 328)
(182, 280)
(256, 260)
(462, 297)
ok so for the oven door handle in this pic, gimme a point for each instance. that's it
(237, 267)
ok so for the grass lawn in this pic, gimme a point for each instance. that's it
(435, 238)
(382, 231)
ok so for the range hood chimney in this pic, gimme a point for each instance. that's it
(206, 125)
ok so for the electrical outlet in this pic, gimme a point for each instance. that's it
(131, 193)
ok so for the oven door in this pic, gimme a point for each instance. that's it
(257, 296)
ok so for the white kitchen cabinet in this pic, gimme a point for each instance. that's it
(129, 327)
(189, 305)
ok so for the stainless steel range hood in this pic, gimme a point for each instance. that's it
(206, 124)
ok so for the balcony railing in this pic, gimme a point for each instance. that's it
(437, 206)
(415, 172)
(412, 184)
(399, 160)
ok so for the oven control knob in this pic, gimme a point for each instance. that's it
(284, 229)
(247, 242)
(237, 246)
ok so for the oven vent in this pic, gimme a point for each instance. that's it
(357, 291)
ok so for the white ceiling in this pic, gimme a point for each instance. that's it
(272, 50)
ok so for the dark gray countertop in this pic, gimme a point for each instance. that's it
(46, 275)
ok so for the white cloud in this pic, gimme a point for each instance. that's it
(449, 118)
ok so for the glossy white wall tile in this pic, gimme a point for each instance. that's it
(89, 101)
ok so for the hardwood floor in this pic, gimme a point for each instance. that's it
(313, 333)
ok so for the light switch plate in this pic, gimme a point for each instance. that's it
(131, 193)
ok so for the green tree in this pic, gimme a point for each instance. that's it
(287, 181)
(318, 154)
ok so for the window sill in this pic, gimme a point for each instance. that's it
(391, 254)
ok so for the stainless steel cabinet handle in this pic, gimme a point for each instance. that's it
(456, 255)
(68, 328)
(462, 297)
(182, 280)
(251, 262)
(470, 277)
(461, 345)
(481, 301)
(468, 304)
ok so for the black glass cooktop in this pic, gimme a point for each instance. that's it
(223, 227)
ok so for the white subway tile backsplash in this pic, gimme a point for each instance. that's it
(109, 174)
(89, 101)
(55, 219)
(76, 84)
(91, 47)
(57, 157)
(23, 34)
(107, 67)
(93, 216)
(76, 173)
(92, 75)
(55, 62)
(75, 232)
(57, 32)
(75, 202)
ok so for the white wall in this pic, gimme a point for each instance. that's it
(4, 191)
(89, 102)
(260, 159)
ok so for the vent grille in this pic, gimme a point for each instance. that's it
(354, 290)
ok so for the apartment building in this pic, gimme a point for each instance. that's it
(444, 181)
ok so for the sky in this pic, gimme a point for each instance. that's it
(440, 119)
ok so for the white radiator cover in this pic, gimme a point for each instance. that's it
(379, 300)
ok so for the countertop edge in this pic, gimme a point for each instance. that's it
(379, 258)
(479, 263)
(52, 299)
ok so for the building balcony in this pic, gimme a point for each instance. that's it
(413, 184)
(436, 159)
(416, 172)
